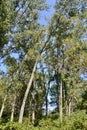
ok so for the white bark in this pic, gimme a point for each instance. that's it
(33, 117)
(26, 93)
(3, 106)
(13, 108)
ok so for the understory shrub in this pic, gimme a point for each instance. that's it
(77, 121)
(16, 126)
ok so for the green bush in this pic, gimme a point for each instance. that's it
(16, 126)
(77, 121)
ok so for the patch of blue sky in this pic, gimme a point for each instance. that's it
(46, 15)
(3, 68)
(84, 76)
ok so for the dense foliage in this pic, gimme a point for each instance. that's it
(43, 67)
(77, 121)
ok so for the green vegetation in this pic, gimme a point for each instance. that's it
(44, 66)
(77, 121)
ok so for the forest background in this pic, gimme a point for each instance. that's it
(43, 71)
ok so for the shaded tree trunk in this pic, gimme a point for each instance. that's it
(33, 116)
(3, 106)
(30, 109)
(46, 97)
(26, 93)
(13, 108)
(66, 107)
(46, 103)
(60, 100)
(69, 108)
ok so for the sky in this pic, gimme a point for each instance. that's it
(46, 15)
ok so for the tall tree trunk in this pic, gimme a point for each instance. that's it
(26, 93)
(33, 116)
(60, 101)
(66, 107)
(29, 114)
(13, 108)
(33, 104)
(64, 98)
(72, 106)
(3, 105)
(69, 109)
(46, 103)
